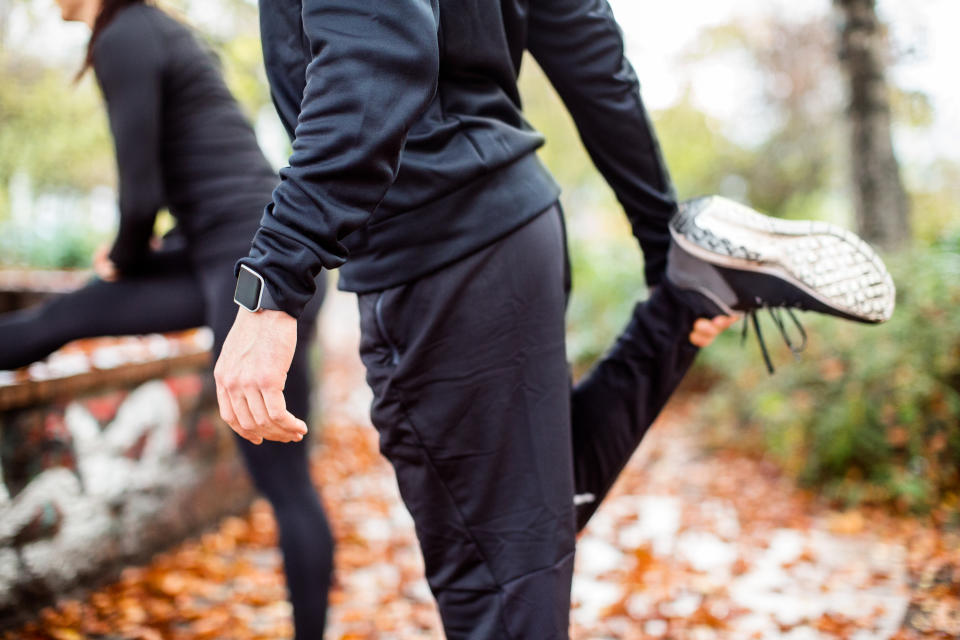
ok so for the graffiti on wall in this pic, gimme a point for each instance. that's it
(97, 481)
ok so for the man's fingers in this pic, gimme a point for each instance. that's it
(703, 333)
(246, 427)
(276, 407)
(243, 423)
(706, 331)
(275, 403)
(724, 322)
(244, 408)
(255, 438)
(241, 410)
(255, 403)
(226, 409)
(706, 327)
(283, 428)
(230, 417)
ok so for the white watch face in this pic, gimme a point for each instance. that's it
(249, 289)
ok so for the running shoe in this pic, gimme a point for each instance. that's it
(742, 261)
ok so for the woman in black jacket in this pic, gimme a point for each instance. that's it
(183, 143)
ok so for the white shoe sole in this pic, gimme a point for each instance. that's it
(827, 262)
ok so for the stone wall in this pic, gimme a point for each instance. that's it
(104, 468)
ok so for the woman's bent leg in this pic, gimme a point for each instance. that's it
(152, 303)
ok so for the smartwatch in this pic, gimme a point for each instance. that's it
(251, 292)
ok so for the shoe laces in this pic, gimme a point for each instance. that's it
(750, 318)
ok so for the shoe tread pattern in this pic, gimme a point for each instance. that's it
(832, 263)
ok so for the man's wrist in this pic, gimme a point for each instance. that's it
(266, 299)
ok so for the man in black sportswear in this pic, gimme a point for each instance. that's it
(414, 173)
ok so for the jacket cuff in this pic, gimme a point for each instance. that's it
(287, 267)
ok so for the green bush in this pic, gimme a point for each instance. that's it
(607, 282)
(69, 246)
(867, 413)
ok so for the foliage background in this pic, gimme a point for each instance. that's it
(869, 413)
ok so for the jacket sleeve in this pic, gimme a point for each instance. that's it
(580, 47)
(128, 62)
(373, 72)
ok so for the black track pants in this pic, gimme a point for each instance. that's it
(489, 442)
(180, 297)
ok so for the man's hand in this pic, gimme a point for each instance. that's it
(102, 264)
(706, 330)
(251, 374)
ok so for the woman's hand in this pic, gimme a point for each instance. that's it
(102, 264)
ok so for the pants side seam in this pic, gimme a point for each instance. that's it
(473, 540)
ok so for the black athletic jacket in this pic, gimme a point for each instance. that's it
(409, 147)
(181, 140)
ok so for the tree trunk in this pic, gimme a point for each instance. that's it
(6, 6)
(881, 201)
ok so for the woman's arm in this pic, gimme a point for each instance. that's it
(128, 61)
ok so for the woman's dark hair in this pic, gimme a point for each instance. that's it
(108, 11)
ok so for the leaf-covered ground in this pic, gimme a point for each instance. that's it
(689, 546)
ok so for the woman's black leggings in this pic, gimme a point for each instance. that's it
(181, 295)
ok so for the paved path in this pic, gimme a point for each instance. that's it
(689, 547)
(684, 562)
